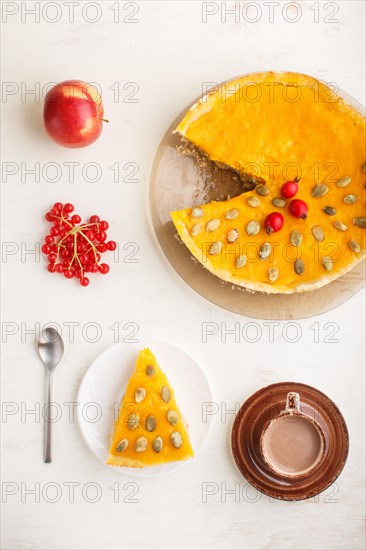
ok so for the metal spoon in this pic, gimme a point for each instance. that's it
(51, 350)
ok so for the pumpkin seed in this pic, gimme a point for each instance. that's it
(330, 210)
(240, 261)
(196, 229)
(140, 395)
(253, 202)
(262, 190)
(141, 445)
(295, 238)
(176, 440)
(354, 246)
(165, 394)
(157, 444)
(359, 222)
(215, 248)
(253, 228)
(150, 423)
(265, 251)
(232, 214)
(340, 226)
(133, 421)
(319, 190)
(318, 233)
(150, 370)
(232, 235)
(350, 199)
(212, 225)
(278, 202)
(122, 445)
(299, 266)
(343, 182)
(172, 417)
(197, 212)
(327, 263)
(273, 274)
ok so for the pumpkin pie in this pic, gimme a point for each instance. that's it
(150, 429)
(275, 127)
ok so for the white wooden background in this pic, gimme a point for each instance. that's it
(168, 53)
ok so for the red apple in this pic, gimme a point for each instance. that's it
(73, 113)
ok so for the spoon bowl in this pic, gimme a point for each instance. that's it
(50, 348)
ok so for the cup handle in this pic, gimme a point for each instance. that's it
(292, 403)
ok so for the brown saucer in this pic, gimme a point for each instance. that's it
(255, 415)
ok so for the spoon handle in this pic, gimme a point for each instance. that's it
(47, 451)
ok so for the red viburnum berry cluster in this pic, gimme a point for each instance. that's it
(297, 207)
(74, 249)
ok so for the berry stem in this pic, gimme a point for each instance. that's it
(91, 244)
(84, 226)
(76, 254)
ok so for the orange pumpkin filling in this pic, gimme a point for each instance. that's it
(150, 429)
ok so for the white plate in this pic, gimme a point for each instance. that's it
(104, 383)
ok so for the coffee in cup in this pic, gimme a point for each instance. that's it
(293, 444)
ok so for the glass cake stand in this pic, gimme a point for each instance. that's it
(180, 181)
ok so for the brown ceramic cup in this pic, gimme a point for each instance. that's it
(293, 444)
(261, 410)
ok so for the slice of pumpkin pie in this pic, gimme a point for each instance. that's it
(150, 429)
(304, 222)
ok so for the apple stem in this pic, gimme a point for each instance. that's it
(104, 119)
